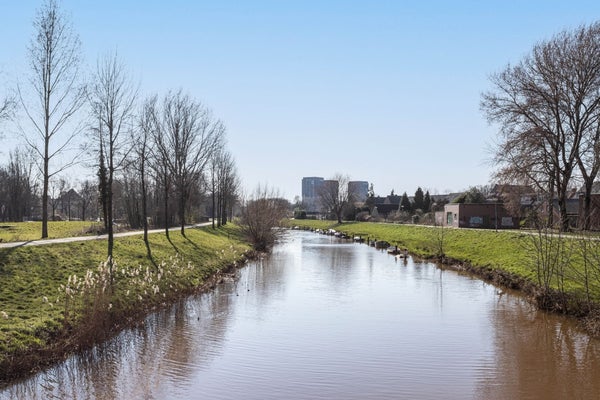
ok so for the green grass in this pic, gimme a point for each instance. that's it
(25, 231)
(35, 306)
(509, 251)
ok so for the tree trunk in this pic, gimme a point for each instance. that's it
(219, 209)
(45, 195)
(166, 207)
(145, 210)
(213, 199)
(585, 214)
(223, 211)
(182, 213)
(109, 213)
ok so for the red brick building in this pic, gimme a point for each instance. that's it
(479, 215)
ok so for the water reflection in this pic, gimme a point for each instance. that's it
(324, 319)
(154, 360)
(535, 351)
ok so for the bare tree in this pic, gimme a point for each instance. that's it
(551, 256)
(261, 213)
(17, 190)
(548, 107)
(6, 107)
(187, 138)
(147, 125)
(67, 195)
(164, 182)
(54, 55)
(583, 82)
(229, 188)
(224, 184)
(334, 195)
(56, 189)
(112, 98)
(89, 195)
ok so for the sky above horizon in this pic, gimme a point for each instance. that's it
(382, 91)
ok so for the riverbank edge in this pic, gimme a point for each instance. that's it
(586, 315)
(76, 338)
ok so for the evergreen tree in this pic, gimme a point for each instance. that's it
(419, 200)
(370, 202)
(405, 204)
(427, 202)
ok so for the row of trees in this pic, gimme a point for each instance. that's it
(421, 201)
(548, 109)
(166, 149)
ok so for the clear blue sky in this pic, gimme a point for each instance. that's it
(384, 91)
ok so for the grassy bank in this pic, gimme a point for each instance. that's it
(507, 258)
(503, 249)
(57, 298)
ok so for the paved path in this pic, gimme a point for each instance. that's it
(98, 237)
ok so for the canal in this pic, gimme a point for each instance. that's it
(325, 319)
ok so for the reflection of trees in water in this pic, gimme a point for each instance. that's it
(539, 356)
(171, 344)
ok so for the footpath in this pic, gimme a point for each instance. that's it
(42, 242)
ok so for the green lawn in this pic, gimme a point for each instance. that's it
(24, 231)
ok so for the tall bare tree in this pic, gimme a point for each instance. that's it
(229, 188)
(224, 184)
(147, 128)
(54, 55)
(112, 99)
(187, 137)
(334, 195)
(89, 197)
(548, 108)
(583, 84)
(17, 189)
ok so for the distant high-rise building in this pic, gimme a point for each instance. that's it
(331, 185)
(311, 187)
(359, 190)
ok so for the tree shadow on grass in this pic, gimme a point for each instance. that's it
(149, 255)
(172, 244)
(4, 255)
(192, 243)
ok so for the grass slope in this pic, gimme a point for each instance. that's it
(57, 292)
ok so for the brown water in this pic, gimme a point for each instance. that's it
(321, 319)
